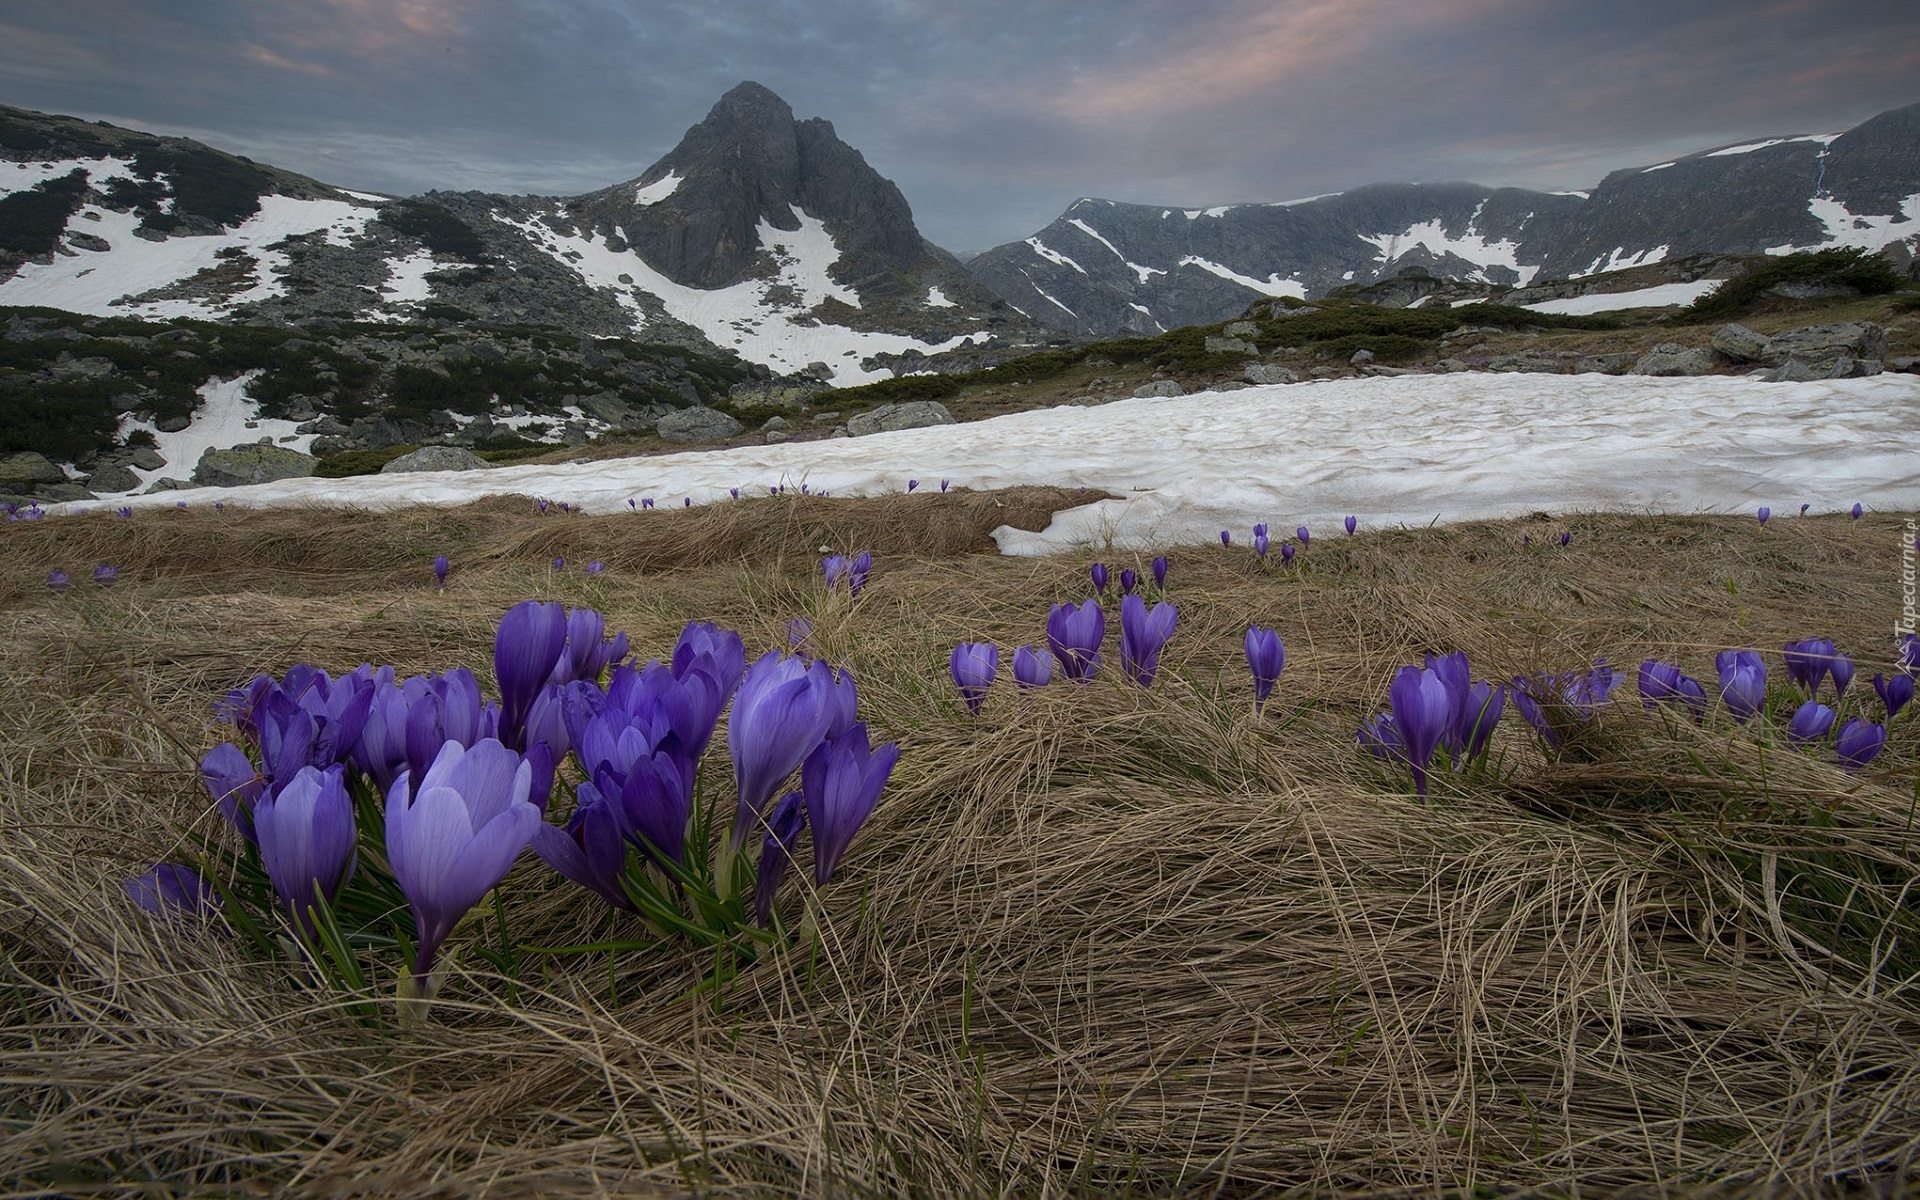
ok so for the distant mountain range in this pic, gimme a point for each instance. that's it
(1103, 266)
(771, 238)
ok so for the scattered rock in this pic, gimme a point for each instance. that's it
(164, 485)
(697, 424)
(26, 470)
(1361, 358)
(326, 426)
(255, 463)
(1619, 363)
(1532, 364)
(112, 478)
(1164, 387)
(147, 458)
(775, 436)
(1231, 345)
(818, 370)
(436, 458)
(1819, 346)
(60, 492)
(1448, 366)
(912, 414)
(1269, 373)
(1671, 358)
(1906, 364)
(1739, 343)
(773, 423)
(172, 424)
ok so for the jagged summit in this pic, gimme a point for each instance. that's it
(695, 214)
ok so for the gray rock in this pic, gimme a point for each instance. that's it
(1269, 373)
(1820, 345)
(1387, 372)
(60, 492)
(775, 436)
(88, 241)
(300, 408)
(697, 424)
(1739, 343)
(1906, 364)
(242, 465)
(1619, 363)
(839, 431)
(164, 485)
(775, 422)
(605, 406)
(1531, 364)
(436, 458)
(1163, 387)
(26, 470)
(1794, 371)
(912, 414)
(1231, 345)
(112, 478)
(172, 424)
(1360, 358)
(1671, 358)
(147, 458)
(818, 370)
(326, 426)
(1237, 329)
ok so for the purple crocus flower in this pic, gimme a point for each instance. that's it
(842, 781)
(784, 824)
(632, 505)
(647, 502)
(1032, 669)
(596, 567)
(1286, 554)
(1565, 537)
(452, 836)
(781, 712)
(1804, 508)
(1764, 513)
(1857, 510)
(1301, 533)
(834, 567)
(1226, 537)
(1266, 656)
(58, 580)
(126, 510)
(686, 502)
(1664, 682)
(912, 484)
(734, 492)
(588, 650)
(1809, 661)
(1842, 671)
(943, 485)
(974, 665)
(169, 889)
(1098, 573)
(1379, 737)
(1743, 682)
(440, 567)
(1160, 573)
(235, 784)
(106, 576)
(531, 639)
(718, 652)
(1260, 542)
(857, 572)
(654, 802)
(306, 838)
(1074, 635)
(1859, 743)
(1129, 579)
(590, 850)
(1486, 702)
(1553, 704)
(1143, 634)
(1352, 523)
(559, 564)
(542, 503)
(1424, 708)
(799, 629)
(1811, 722)
(1895, 692)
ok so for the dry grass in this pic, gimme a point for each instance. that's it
(1096, 940)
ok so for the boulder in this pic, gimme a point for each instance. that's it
(1268, 373)
(1819, 346)
(164, 485)
(25, 470)
(436, 458)
(1671, 358)
(913, 414)
(1237, 329)
(255, 463)
(697, 424)
(1231, 345)
(1361, 358)
(1605, 364)
(147, 458)
(1163, 387)
(172, 424)
(112, 478)
(1739, 343)
(64, 491)
(774, 437)
(1532, 364)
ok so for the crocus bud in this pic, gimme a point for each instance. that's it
(1423, 710)
(1743, 682)
(105, 575)
(842, 781)
(1764, 513)
(1301, 533)
(1859, 742)
(172, 889)
(912, 484)
(974, 665)
(58, 580)
(1033, 669)
(1352, 524)
(1895, 692)
(1565, 537)
(1129, 579)
(306, 839)
(784, 824)
(1811, 722)
(1160, 573)
(1098, 573)
(943, 485)
(1074, 635)
(1260, 542)
(1226, 537)
(1857, 510)
(1286, 554)
(1143, 633)
(440, 568)
(1266, 656)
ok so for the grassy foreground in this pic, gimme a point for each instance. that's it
(1096, 940)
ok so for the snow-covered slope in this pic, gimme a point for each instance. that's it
(1184, 468)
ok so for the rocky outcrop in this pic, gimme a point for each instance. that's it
(1739, 343)
(1822, 346)
(911, 414)
(436, 458)
(698, 424)
(1671, 358)
(239, 466)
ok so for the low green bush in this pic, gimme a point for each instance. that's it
(1841, 266)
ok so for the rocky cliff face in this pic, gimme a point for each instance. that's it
(1103, 267)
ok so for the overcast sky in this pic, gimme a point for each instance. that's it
(991, 115)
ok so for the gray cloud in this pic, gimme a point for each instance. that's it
(992, 115)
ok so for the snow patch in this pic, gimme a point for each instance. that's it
(1144, 273)
(1272, 285)
(220, 421)
(1661, 167)
(938, 299)
(407, 278)
(1471, 246)
(1750, 147)
(658, 190)
(1054, 256)
(1662, 294)
(1870, 232)
(1620, 260)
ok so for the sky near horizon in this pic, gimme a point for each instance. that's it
(991, 115)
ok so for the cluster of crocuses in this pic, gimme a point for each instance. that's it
(1810, 664)
(1075, 633)
(461, 785)
(1440, 706)
(104, 575)
(852, 572)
